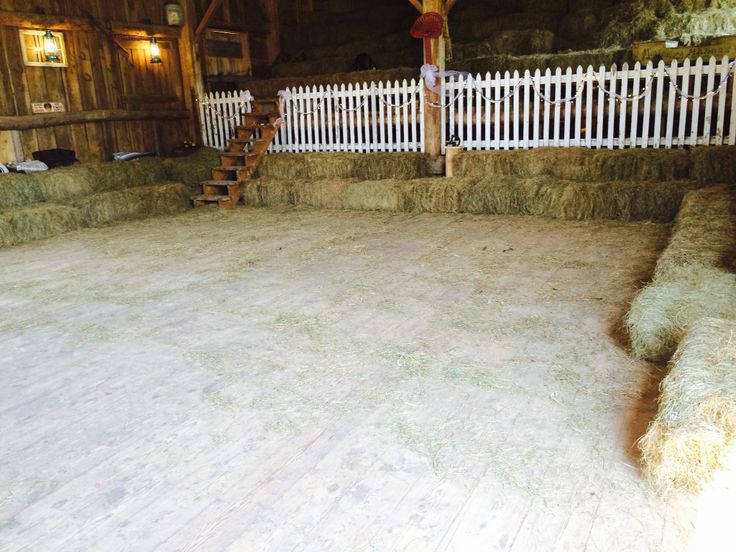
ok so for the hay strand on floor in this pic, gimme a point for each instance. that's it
(36, 222)
(695, 425)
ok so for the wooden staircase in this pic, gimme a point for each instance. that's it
(242, 156)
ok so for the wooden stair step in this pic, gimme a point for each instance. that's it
(223, 201)
(245, 141)
(256, 127)
(235, 154)
(209, 197)
(223, 183)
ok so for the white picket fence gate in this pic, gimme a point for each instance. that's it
(667, 105)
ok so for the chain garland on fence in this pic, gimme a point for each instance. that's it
(285, 95)
(430, 74)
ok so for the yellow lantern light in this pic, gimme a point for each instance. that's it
(50, 47)
(155, 51)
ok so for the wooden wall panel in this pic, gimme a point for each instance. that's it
(98, 76)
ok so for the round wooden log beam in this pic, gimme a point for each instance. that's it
(27, 122)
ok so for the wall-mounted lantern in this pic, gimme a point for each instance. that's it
(155, 51)
(42, 48)
(51, 50)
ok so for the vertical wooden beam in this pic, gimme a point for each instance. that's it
(191, 69)
(432, 133)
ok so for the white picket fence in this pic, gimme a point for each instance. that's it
(667, 105)
(219, 114)
(363, 117)
(652, 106)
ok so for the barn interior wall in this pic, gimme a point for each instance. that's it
(107, 47)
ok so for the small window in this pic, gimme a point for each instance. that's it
(43, 48)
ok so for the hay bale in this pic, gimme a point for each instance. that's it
(375, 195)
(270, 192)
(434, 195)
(17, 190)
(283, 165)
(104, 208)
(398, 166)
(568, 199)
(713, 165)
(705, 231)
(577, 164)
(63, 184)
(494, 196)
(665, 310)
(192, 169)
(36, 222)
(323, 194)
(331, 165)
(119, 175)
(695, 426)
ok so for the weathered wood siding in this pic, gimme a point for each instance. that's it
(99, 76)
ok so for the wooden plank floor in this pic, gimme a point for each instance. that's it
(299, 380)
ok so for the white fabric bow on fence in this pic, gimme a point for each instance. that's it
(430, 73)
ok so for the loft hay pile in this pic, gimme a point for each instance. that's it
(695, 426)
(692, 278)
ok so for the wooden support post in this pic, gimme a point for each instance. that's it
(432, 131)
(191, 69)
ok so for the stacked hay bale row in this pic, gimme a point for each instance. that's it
(692, 279)
(570, 183)
(45, 204)
(689, 309)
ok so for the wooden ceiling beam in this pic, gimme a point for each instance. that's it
(211, 9)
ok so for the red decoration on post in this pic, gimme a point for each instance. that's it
(426, 27)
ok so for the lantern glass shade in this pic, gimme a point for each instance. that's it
(51, 48)
(155, 51)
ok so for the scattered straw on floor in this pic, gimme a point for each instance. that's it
(695, 426)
